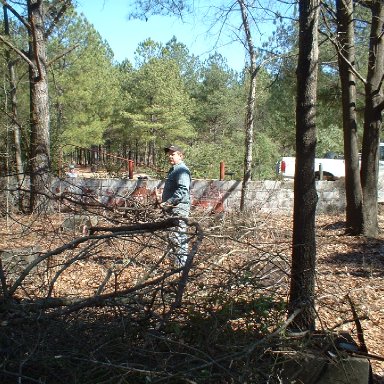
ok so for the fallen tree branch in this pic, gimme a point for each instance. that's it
(113, 232)
(147, 227)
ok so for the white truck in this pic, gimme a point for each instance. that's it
(328, 168)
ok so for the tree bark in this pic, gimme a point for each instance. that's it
(372, 120)
(302, 287)
(39, 109)
(15, 125)
(346, 59)
(250, 116)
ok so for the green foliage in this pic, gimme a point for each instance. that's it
(266, 153)
(154, 106)
(146, 51)
(204, 159)
(278, 111)
(18, 38)
(159, 107)
(82, 94)
(189, 65)
(220, 102)
(330, 139)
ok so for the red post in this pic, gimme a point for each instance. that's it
(283, 166)
(60, 161)
(130, 169)
(222, 170)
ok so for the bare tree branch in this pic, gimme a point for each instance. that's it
(18, 51)
(15, 13)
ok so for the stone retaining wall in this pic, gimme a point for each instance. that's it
(217, 196)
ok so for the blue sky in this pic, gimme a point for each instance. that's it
(110, 19)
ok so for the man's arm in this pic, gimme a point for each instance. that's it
(181, 193)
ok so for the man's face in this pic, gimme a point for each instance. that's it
(174, 157)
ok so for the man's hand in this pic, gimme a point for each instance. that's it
(166, 205)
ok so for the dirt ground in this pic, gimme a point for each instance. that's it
(350, 270)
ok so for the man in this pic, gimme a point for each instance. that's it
(72, 171)
(176, 200)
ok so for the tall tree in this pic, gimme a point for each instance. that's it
(220, 98)
(38, 30)
(251, 101)
(159, 107)
(217, 101)
(83, 95)
(40, 161)
(346, 60)
(14, 120)
(374, 105)
(188, 63)
(302, 288)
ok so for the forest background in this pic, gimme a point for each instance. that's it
(170, 95)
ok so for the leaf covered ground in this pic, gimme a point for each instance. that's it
(233, 301)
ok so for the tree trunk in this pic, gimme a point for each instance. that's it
(346, 59)
(372, 120)
(250, 106)
(302, 288)
(39, 109)
(15, 126)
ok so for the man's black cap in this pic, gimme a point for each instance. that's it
(174, 148)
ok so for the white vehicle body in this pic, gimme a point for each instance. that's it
(331, 169)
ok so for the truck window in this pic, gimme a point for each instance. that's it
(381, 153)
